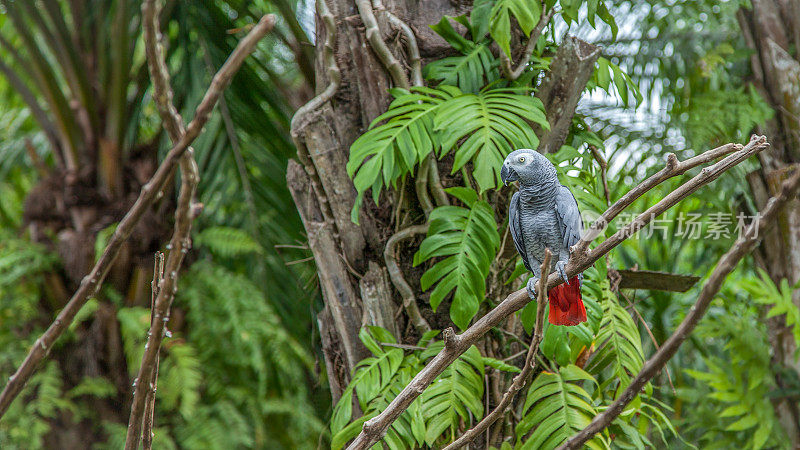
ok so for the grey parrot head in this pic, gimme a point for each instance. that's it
(529, 167)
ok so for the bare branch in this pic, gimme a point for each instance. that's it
(724, 267)
(505, 61)
(374, 428)
(519, 381)
(409, 299)
(185, 213)
(150, 191)
(672, 168)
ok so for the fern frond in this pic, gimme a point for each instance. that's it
(619, 343)
(227, 242)
(454, 396)
(556, 407)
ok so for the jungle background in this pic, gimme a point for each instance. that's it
(249, 361)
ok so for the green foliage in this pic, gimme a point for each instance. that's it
(455, 396)
(484, 128)
(526, 13)
(619, 347)
(26, 423)
(739, 385)
(247, 359)
(397, 146)
(607, 75)
(779, 299)
(451, 402)
(467, 237)
(227, 242)
(556, 407)
(471, 70)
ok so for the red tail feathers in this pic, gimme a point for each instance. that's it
(566, 305)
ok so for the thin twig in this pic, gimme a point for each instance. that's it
(649, 333)
(601, 161)
(519, 381)
(455, 345)
(400, 283)
(150, 192)
(505, 61)
(403, 346)
(150, 401)
(724, 267)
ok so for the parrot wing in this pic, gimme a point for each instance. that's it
(569, 216)
(516, 230)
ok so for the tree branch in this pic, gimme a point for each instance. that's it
(150, 191)
(519, 381)
(374, 428)
(672, 168)
(505, 61)
(399, 282)
(725, 266)
(185, 213)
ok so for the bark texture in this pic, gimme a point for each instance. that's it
(772, 29)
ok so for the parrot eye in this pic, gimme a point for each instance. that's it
(522, 159)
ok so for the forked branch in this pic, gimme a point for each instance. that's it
(150, 191)
(185, 213)
(580, 260)
(519, 381)
(726, 264)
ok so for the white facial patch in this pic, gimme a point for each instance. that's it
(524, 159)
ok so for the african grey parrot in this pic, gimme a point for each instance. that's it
(544, 214)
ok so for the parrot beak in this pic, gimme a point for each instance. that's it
(507, 174)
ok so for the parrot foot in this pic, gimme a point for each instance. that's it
(531, 286)
(561, 271)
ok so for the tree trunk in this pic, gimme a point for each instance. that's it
(349, 257)
(771, 28)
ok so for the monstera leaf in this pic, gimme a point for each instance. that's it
(471, 70)
(485, 127)
(526, 12)
(392, 149)
(467, 237)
